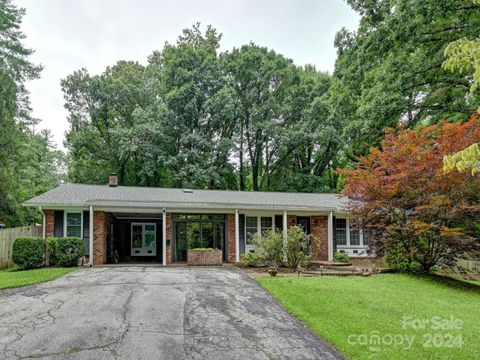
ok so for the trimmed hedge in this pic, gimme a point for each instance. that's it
(65, 251)
(28, 252)
(50, 248)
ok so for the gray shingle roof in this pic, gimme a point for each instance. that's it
(103, 195)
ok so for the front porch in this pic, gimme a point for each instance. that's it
(164, 236)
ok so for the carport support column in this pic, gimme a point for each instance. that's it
(330, 236)
(90, 236)
(164, 237)
(237, 236)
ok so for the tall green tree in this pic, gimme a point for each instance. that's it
(198, 111)
(390, 70)
(29, 164)
(261, 79)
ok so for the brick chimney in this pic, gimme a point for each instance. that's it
(112, 180)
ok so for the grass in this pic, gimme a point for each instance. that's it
(362, 316)
(13, 278)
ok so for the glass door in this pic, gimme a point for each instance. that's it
(181, 243)
(144, 239)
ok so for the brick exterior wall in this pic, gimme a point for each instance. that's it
(101, 228)
(291, 220)
(199, 257)
(319, 229)
(169, 237)
(49, 223)
(231, 237)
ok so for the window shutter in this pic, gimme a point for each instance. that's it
(86, 231)
(241, 228)
(279, 222)
(58, 223)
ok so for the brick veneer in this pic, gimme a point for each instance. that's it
(169, 235)
(101, 227)
(49, 223)
(319, 229)
(231, 237)
(291, 220)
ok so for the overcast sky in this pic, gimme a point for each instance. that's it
(68, 35)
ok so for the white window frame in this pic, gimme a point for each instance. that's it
(143, 238)
(249, 247)
(361, 245)
(65, 222)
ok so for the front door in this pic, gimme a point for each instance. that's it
(144, 239)
(181, 242)
(304, 223)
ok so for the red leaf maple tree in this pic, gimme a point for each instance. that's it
(419, 215)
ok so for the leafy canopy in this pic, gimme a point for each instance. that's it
(412, 206)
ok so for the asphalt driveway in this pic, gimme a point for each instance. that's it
(139, 312)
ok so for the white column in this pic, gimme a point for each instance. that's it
(330, 236)
(90, 235)
(164, 237)
(44, 223)
(237, 237)
(285, 228)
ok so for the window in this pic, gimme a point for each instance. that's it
(198, 231)
(266, 224)
(354, 237)
(256, 225)
(74, 224)
(341, 231)
(354, 233)
(349, 233)
(251, 228)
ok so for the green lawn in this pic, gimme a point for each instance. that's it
(362, 316)
(16, 278)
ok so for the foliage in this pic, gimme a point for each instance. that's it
(245, 119)
(202, 249)
(298, 247)
(466, 159)
(16, 278)
(341, 256)
(398, 258)
(409, 202)
(50, 244)
(67, 250)
(389, 71)
(249, 259)
(269, 248)
(28, 252)
(323, 303)
(462, 55)
(29, 164)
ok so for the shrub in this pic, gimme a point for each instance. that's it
(202, 249)
(249, 259)
(341, 257)
(269, 248)
(398, 259)
(68, 250)
(50, 250)
(28, 252)
(298, 247)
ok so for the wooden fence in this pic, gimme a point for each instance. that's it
(8, 236)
